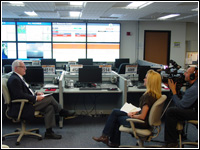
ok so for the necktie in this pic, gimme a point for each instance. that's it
(28, 87)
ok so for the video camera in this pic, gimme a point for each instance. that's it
(175, 74)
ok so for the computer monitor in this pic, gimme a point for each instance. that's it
(89, 66)
(142, 71)
(90, 75)
(7, 61)
(118, 62)
(34, 75)
(85, 61)
(7, 65)
(48, 62)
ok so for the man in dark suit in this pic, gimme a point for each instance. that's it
(19, 89)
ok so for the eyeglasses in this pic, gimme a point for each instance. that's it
(22, 67)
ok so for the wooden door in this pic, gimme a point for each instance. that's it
(157, 46)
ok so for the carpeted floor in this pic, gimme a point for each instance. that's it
(76, 133)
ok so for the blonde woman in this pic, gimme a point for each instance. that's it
(111, 133)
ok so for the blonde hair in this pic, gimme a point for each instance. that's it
(153, 84)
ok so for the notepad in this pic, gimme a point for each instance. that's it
(127, 107)
(47, 94)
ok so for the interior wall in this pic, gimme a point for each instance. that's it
(129, 43)
(178, 34)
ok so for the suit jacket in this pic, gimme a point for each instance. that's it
(19, 90)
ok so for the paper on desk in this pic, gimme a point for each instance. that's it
(52, 86)
(127, 107)
(47, 94)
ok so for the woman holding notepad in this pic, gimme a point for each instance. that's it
(111, 133)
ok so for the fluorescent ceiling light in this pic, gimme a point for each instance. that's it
(168, 16)
(74, 13)
(196, 9)
(139, 4)
(17, 3)
(76, 3)
(30, 13)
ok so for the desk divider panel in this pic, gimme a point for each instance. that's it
(123, 87)
(61, 86)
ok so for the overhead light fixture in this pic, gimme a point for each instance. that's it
(30, 13)
(76, 3)
(168, 16)
(196, 9)
(74, 13)
(17, 3)
(138, 4)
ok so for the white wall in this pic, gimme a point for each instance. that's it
(129, 44)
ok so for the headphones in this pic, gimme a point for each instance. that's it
(192, 76)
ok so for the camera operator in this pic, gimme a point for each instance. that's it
(185, 109)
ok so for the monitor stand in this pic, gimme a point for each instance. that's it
(36, 86)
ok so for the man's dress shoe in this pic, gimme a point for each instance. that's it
(52, 135)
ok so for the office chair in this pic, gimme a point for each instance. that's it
(180, 127)
(122, 68)
(143, 135)
(21, 132)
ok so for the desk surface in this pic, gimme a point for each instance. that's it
(76, 90)
(135, 89)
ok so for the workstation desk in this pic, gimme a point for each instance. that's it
(134, 93)
(92, 102)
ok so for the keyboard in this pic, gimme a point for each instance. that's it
(89, 88)
(141, 87)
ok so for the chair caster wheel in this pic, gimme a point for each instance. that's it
(40, 138)
(17, 143)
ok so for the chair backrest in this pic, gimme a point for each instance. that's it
(156, 111)
(122, 68)
(5, 91)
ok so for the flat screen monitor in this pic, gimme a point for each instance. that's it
(103, 32)
(34, 31)
(7, 61)
(85, 61)
(142, 71)
(90, 75)
(48, 62)
(34, 50)
(9, 50)
(120, 61)
(34, 75)
(8, 32)
(90, 66)
(69, 32)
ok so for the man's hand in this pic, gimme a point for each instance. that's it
(40, 93)
(39, 97)
(172, 86)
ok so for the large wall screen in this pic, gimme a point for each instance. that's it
(8, 32)
(34, 31)
(69, 32)
(103, 32)
(62, 41)
(103, 41)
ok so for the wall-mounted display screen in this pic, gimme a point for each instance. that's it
(103, 52)
(34, 50)
(69, 51)
(103, 32)
(69, 32)
(8, 50)
(8, 31)
(34, 31)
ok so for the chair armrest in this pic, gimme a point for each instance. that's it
(19, 100)
(22, 101)
(135, 120)
(132, 121)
